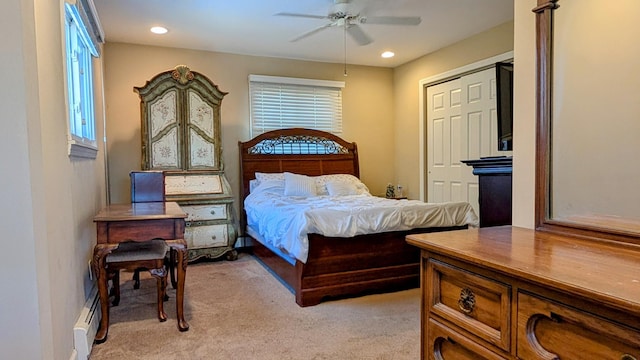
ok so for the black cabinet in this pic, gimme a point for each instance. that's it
(494, 182)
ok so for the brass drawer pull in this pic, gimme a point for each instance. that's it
(628, 357)
(467, 301)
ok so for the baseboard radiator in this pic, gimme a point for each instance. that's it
(84, 332)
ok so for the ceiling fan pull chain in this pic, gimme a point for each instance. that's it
(345, 49)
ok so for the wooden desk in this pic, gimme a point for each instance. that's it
(139, 222)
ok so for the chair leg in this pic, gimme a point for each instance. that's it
(161, 280)
(115, 288)
(172, 265)
(136, 279)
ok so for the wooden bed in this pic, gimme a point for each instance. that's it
(335, 267)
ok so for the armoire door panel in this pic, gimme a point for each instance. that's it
(201, 114)
(162, 113)
(164, 152)
(202, 153)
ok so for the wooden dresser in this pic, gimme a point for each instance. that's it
(514, 293)
(181, 136)
(494, 185)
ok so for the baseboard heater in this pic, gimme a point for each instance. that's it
(84, 332)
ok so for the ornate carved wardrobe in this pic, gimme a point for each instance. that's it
(180, 115)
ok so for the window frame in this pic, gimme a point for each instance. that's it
(323, 97)
(82, 35)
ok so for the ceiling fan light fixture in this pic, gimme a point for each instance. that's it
(159, 30)
(388, 54)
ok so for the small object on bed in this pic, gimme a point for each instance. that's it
(390, 191)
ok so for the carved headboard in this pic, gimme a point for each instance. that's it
(296, 150)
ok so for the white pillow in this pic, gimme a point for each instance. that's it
(299, 185)
(269, 176)
(269, 186)
(345, 178)
(341, 188)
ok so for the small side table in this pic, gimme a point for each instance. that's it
(139, 222)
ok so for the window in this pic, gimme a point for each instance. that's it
(82, 37)
(280, 102)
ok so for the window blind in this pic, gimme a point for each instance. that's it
(279, 102)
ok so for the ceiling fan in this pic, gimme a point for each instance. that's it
(341, 16)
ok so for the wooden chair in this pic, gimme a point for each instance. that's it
(151, 255)
(148, 186)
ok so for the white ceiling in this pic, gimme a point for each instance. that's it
(249, 27)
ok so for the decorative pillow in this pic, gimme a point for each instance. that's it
(344, 178)
(269, 176)
(299, 185)
(269, 186)
(341, 188)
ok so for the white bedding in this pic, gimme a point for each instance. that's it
(284, 221)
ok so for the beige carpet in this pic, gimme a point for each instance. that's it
(237, 310)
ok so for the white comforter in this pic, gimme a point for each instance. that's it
(284, 221)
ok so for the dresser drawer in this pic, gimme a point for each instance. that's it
(206, 236)
(545, 328)
(205, 212)
(444, 343)
(191, 184)
(474, 303)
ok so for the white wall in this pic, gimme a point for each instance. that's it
(20, 316)
(48, 199)
(524, 111)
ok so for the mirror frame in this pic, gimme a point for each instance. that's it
(544, 82)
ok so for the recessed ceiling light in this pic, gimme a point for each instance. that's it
(388, 54)
(159, 30)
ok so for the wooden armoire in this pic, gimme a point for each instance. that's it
(180, 115)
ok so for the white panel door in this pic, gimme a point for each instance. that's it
(461, 125)
(443, 142)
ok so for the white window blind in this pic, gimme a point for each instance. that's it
(280, 102)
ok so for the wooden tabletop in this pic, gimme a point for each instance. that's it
(140, 211)
(607, 271)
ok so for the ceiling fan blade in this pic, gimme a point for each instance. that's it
(358, 35)
(309, 16)
(390, 20)
(309, 33)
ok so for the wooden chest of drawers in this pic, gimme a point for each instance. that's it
(511, 293)
(210, 229)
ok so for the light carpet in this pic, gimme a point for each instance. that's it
(238, 310)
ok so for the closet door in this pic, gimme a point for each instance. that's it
(461, 125)
(480, 115)
(444, 103)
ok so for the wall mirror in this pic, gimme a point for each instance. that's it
(588, 131)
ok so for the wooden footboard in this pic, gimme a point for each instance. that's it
(343, 267)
